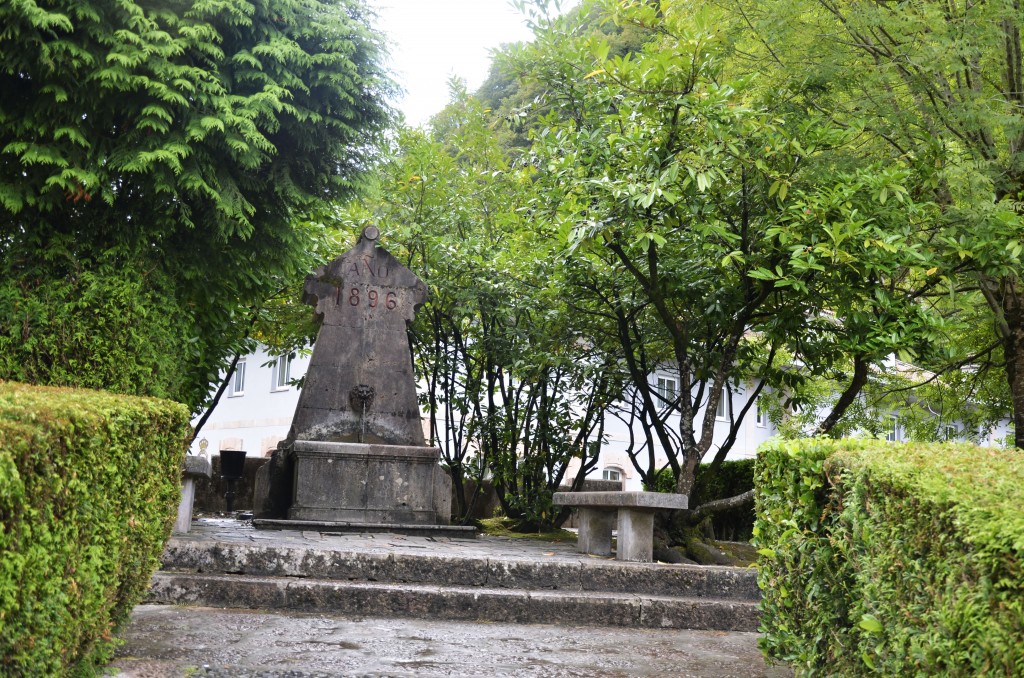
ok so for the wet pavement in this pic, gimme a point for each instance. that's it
(173, 642)
(229, 531)
(170, 641)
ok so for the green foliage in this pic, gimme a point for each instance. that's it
(517, 101)
(509, 388)
(935, 87)
(708, 229)
(959, 405)
(182, 139)
(89, 482)
(101, 327)
(891, 560)
(729, 479)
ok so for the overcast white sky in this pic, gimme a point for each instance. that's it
(431, 40)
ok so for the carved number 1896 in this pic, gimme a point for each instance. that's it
(373, 298)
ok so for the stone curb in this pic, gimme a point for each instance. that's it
(338, 527)
(211, 557)
(423, 601)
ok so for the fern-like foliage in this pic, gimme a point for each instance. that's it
(179, 136)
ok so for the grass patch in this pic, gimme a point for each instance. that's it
(743, 552)
(504, 527)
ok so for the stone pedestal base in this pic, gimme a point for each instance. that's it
(183, 523)
(636, 536)
(369, 484)
(595, 532)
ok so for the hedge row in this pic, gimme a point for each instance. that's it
(89, 482)
(882, 559)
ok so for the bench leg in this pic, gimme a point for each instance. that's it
(595, 534)
(636, 536)
(188, 494)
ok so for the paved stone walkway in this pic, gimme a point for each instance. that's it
(172, 642)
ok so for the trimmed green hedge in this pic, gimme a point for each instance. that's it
(89, 482)
(881, 559)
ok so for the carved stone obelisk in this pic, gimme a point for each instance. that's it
(355, 457)
(360, 386)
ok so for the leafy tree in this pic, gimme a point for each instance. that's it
(714, 234)
(509, 390)
(938, 85)
(153, 159)
(520, 103)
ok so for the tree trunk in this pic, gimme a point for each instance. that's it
(694, 516)
(688, 473)
(1013, 348)
(857, 383)
(216, 398)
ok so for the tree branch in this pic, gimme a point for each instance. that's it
(693, 516)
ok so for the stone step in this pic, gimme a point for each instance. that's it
(465, 603)
(528, 574)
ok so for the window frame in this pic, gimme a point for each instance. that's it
(236, 377)
(667, 388)
(608, 470)
(892, 433)
(284, 362)
(722, 413)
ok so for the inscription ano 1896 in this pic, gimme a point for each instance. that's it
(373, 299)
(368, 263)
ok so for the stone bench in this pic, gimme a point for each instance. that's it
(635, 511)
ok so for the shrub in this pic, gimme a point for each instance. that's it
(99, 325)
(89, 482)
(892, 559)
(732, 478)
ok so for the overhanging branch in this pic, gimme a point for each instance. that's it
(694, 516)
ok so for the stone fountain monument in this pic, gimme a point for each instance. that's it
(355, 458)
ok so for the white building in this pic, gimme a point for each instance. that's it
(615, 464)
(257, 407)
(256, 410)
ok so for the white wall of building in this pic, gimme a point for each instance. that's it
(614, 456)
(256, 418)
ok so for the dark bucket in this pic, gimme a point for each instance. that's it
(232, 464)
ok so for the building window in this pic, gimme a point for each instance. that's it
(667, 389)
(761, 417)
(611, 473)
(723, 406)
(892, 434)
(282, 373)
(950, 432)
(237, 386)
